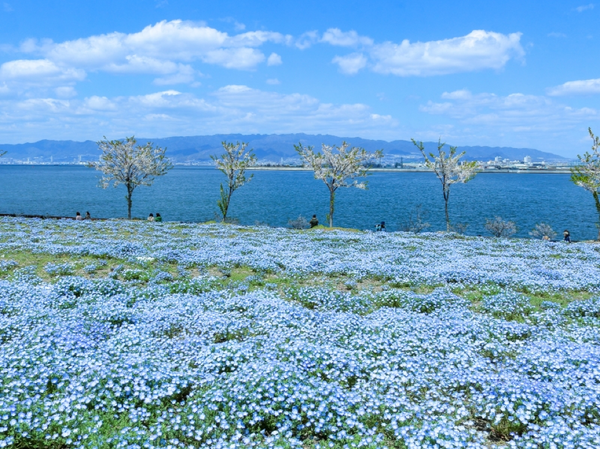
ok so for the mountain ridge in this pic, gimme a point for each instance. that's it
(267, 147)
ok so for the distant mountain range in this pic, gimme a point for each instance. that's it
(267, 147)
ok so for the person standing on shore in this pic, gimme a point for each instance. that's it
(313, 221)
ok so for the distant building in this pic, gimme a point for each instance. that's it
(527, 159)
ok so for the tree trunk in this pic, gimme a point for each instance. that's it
(331, 207)
(129, 193)
(223, 203)
(446, 198)
(597, 200)
(228, 201)
(225, 208)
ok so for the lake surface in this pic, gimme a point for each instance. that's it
(274, 197)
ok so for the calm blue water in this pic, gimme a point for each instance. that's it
(274, 197)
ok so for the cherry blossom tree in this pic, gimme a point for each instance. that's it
(449, 170)
(233, 163)
(587, 173)
(338, 167)
(124, 162)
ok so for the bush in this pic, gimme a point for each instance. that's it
(299, 223)
(500, 228)
(415, 221)
(460, 228)
(543, 231)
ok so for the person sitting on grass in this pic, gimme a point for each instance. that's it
(567, 236)
(151, 217)
(88, 216)
(158, 218)
(313, 221)
(78, 216)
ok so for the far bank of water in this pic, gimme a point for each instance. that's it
(274, 197)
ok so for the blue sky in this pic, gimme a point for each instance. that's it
(497, 73)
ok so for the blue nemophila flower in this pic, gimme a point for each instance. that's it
(308, 351)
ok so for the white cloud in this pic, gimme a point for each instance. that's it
(462, 94)
(238, 26)
(235, 58)
(166, 48)
(581, 87)
(257, 38)
(65, 92)
(185, 75)
(233, 108)
(306, 40)
(477, 50)
(96, 103)
(7, 7)
(350, 64)
(554, 34)
(584, 7)
(529, 120)
(40, 106)
(21, 76)
(175, 40)
(273, 81)
(38, 69)
(274, 59)
(142, 64)
(335, 36)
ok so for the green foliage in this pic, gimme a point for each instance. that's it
(587, 173)
(233, 163)
(223, 203)
(449, 170)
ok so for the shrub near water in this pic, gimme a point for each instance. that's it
(188, 357)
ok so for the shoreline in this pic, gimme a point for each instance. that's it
(373, 170)
(420, 170)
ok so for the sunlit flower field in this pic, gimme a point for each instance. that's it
(118, 334)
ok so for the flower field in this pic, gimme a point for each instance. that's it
(121, 334)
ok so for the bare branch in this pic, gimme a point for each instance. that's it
(448, 168)
(233, 163)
